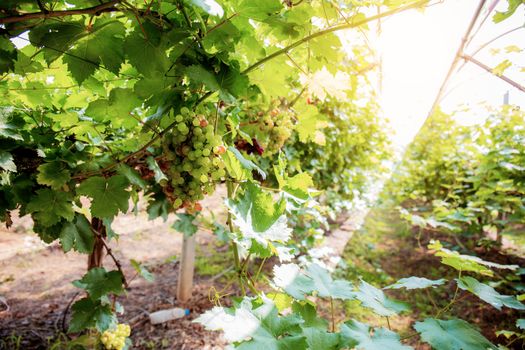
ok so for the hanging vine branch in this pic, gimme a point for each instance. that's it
(95, 10)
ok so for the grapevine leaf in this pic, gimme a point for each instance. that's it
(117, 108)
(7, 129)
(358, 335)
(56, 37)
(104, 46)
(91, 314)
(320, 339)
(159, 207)
(132, 175)
(292, 281)
(309, 124)
(234, 167)
(6, 161)
(488, 294)
(147, 54)
(520, 323)
(326, 287)
(257, 320)
(99, 282)
(48, 207)
(259, 217)
(466, 262)
(246, 163)
(8, 55)
(299, 186)
(160, 177)
(513, 6)
(415, 283)
(314, 279)
(53, 174)
(374, 298)
(185, 224)
(108, 195)
(201, 75)
(77, 235)
(454, 334)
(259, 9)
(142, 270)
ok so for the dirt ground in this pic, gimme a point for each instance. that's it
(35, 284)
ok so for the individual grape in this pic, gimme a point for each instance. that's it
(206, 152)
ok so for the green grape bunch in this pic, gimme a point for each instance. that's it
(115, 339)
(272, 128)
(192, 162)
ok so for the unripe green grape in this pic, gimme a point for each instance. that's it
(197, 153)
(179, 118)
(198, 145)
(181, 126)
(222, 172)
(177, 203)
(206, 152)
(197, 131)
(196, 122)
(187, 167)
(185, 111)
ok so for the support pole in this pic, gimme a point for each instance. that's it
(187, 266)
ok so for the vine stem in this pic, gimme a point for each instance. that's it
(332, 312)
(115, 260)
(105, 7)
(235, 249)
(451, 301)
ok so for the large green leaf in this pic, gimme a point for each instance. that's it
(315, 280)
(87, 313)
(54, 174)
(256, 321)
(488, 294)
(454, 334)
(259, 217)
(326, 287)
(108, 195)
(7, 162)
(185, 224)
(357, 335)
(463, 262)
(415, 283)
(103, 46)
(374, 299)
(77, 235)
(98, 282)
(49, 207)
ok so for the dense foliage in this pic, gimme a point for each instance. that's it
(109, 100)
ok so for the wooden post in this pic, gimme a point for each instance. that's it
(187, 266)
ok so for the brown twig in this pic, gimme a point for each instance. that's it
(115, 260)
(105, 7)
(488, 69)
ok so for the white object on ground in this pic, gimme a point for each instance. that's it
(168, 315)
